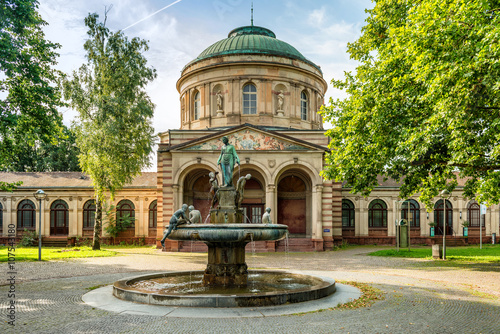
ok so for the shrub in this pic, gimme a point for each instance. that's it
(29, 239)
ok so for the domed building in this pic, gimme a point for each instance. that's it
(262, 94)
(251, 77)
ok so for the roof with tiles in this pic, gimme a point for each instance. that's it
(69, 180)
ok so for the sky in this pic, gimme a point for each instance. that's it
(320, 30)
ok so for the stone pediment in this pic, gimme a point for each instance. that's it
(250, 139)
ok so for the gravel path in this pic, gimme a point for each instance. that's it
(420, 296)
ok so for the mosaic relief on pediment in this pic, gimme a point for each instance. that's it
(249, 140)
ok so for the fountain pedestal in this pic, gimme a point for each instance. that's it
(226, 265)
(227, 212)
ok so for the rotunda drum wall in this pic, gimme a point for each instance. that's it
(278, 96)
(277, 70)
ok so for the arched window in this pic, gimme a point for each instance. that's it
(89, 215)
(196, 105)
(347, 213)
(124, 209)
(59, 217)
(26, 215)
(414, 212)
(303, 106)
(439, 217)
(473, 214)
(152, 214)
(377, 214)
(249, 99)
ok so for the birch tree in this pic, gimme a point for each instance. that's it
(114, 131)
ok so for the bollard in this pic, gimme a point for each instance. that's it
(437, 252)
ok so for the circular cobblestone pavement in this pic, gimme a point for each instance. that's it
(418, 298)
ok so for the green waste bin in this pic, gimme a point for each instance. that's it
(403, 236)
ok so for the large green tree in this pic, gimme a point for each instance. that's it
(47, 156)
(29, 94)
(423, 106)
(114, 131)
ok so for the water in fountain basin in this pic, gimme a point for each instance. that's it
(261, 282)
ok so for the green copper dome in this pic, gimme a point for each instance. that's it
(252, 40)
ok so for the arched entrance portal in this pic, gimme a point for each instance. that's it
(197, 191)
(254, 195)
(294, 196)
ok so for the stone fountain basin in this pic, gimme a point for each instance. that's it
(317, 288)
(229, 232)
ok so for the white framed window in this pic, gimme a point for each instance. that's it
(196, 105)
(249, 99)
(303, 106)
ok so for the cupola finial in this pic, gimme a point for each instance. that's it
(251, 21)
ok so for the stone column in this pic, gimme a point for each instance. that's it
(495, 220)
(391, 223)
(45, 217)
(139, 220)
(7, 214)
(424, 222)
(317, 224)
(357, 216)
(188, 107)
(271, 202)
(363, 217)
(12, 211)
(73, 216)
(176, 189)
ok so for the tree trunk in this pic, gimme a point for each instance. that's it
(96, 244)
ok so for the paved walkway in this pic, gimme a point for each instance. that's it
(420, 296)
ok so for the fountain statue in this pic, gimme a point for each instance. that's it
(227, 234)
(226, 274)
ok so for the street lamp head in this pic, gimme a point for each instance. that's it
(445, 193)
(40, 194)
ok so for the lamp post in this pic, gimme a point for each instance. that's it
(40, 195)
(398, 239)
(444, 193)
(409, 225)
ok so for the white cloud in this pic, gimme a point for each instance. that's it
(317, 16)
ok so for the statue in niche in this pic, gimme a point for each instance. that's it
(214, 189)
(266, 217)
(219, 100)
(240, 189)
(194, 215)
(281, 100)
(179, 217)
(227, 159)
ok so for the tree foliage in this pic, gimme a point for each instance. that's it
(48, 157)
(114, 224)
(114, 130)
(28, 83)
(423, 106)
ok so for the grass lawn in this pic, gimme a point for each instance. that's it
(489, 253)
(52, 253)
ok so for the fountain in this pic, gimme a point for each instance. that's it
(225, 281)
